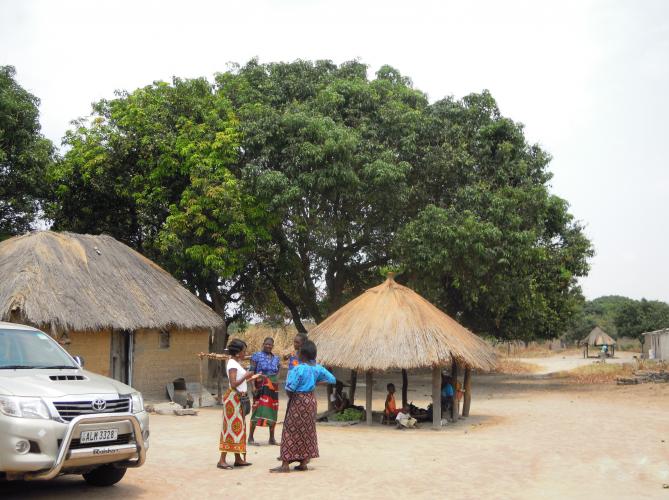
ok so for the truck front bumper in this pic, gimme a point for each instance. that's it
(53, 441)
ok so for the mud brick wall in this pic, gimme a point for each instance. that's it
(156, 365)
(94, 347)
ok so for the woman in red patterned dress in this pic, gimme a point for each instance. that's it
(233, 433)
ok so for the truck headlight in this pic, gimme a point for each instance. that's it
(137, 402)
(15, 406)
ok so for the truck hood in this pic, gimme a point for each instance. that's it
(38, 383)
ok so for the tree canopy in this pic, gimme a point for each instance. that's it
(488, 242)
(619, 317)
(327, 150)
(24, 156)
(292, 185)
(150, 167)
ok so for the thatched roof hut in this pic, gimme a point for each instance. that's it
(391, 326)
(102, 300)
(84, 282)
(598, 337)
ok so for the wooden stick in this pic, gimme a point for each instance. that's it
(468, 392)
(405, 389)
(456, 403)
(201, 384)
(436, 397)
(368, 407)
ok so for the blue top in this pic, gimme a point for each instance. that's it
(304, 377)
(447, 391)
(267, 364)
(293, 361)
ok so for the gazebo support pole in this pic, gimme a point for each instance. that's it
(456, 402)
(354, 383)
(405, 389)
(436, 397)
(468, 392)
(368, 390)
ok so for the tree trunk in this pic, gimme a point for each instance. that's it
(405, 389)
(468, 392)
(288, 302)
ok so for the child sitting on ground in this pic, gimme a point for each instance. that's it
(391, 407)
(404, 419)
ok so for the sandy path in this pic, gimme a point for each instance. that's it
(569, 362)
(528, 437)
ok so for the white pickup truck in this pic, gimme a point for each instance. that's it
(56, 418)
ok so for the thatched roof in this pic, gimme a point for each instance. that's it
(83, 282)
(391, 326)
(598, 337)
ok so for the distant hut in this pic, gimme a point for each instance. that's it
(125, 315)
(597, 338)
(392, 327)
(656, 344)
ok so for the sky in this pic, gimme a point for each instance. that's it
(588, 79)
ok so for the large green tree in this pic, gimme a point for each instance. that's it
(637, 317)
(150, 167)
(298, 181)
(488, 242)
(326, 148)
(602, 312)
(24, 156)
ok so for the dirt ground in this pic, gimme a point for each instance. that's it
(528, 437)
(561, 362)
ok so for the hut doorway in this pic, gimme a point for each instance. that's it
(120, 356)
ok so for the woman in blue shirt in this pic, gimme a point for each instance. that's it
(299, 442)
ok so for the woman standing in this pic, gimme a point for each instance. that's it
(299, 442)
(293, 358)
(233, 433)
(266, 396)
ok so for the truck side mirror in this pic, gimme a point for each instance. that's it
(79, 360)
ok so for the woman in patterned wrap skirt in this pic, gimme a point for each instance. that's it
(233, 431)
(299, 442)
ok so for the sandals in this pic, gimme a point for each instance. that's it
(279, 469)
(243, 464)
(224, 466)
(301, 467)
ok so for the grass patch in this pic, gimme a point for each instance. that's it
(534, 351)
(512, 367)
(597, 373)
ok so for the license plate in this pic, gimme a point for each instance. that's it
(98, 436)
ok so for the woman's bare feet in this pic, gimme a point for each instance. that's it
(284, 467)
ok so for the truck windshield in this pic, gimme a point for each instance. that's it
(26, 349)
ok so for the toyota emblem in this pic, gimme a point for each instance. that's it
(99, 404)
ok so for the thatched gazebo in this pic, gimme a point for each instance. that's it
(597, 338)
(392, 327)
(127, 317)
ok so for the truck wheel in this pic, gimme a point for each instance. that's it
(105, 475)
